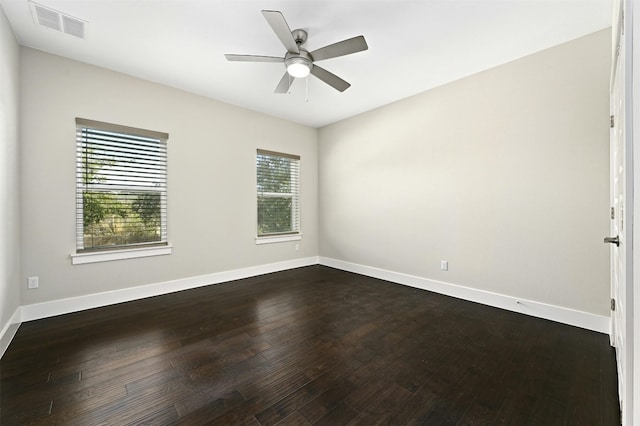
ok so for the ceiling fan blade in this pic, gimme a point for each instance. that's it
(252, 58)
(341, 48)
(285, 83)
(282, 30)
(330, 78)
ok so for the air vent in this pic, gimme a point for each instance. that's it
(47, 18)
(72, 26)
(57, 20)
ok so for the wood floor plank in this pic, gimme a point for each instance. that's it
(383, 406)
(341, 414)
(308, 346)
(326, 401)
(299, 398)
(477, 415)
(415, 409)
(212, 410)
(295, 419)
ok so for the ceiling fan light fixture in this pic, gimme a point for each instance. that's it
(298, 70)
(298, 67)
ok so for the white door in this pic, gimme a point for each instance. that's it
(621, 232)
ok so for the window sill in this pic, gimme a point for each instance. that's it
(106, 256)
(278, 239)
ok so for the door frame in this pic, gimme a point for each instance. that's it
(630, 376)
(632, 95)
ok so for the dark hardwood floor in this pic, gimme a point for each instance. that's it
(308, 346)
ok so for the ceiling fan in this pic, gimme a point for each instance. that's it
(299, 61)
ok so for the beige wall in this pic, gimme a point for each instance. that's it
(9, 175)
(504, 174)
(211, 196)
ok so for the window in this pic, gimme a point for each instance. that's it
(121, 187)
(278, 194)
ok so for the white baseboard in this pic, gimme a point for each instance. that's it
(64, 306)
(560, 314)
(9, 330)
(96, 300)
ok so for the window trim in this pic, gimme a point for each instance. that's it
(270, 239)
(277, 237)
(119, 254)
(116, 128)
(131, 251)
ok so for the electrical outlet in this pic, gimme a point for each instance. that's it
(297, 247)
(32, 282)
(444, 265)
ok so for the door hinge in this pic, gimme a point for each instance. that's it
(613, 213)
(611, 121)
(613, 304)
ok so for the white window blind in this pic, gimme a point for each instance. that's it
(121, 186)
(278, 193)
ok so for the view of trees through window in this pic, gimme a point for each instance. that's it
(120, 218)
(277, 194)
(121, 189)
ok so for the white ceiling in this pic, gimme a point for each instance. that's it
(413, 45)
